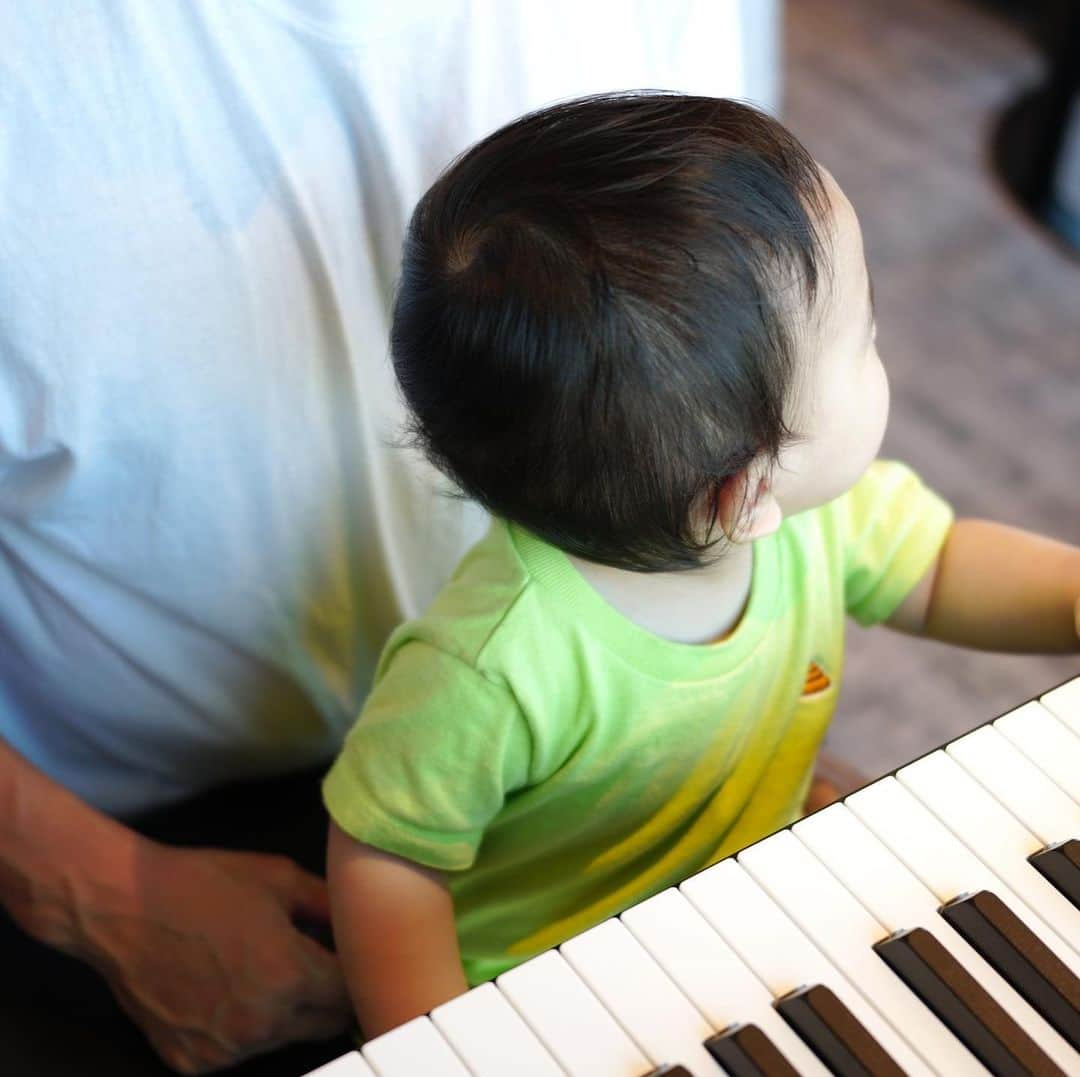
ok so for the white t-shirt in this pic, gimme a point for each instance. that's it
(205, 537)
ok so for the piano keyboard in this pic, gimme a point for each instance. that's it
(929, 923)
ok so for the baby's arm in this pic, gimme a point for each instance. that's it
(998, 588)
(394, 932)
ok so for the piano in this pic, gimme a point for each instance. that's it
(928, 923)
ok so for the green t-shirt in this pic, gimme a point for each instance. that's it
(561, 763)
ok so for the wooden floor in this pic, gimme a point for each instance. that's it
(978, 314)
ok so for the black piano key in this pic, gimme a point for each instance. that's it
(745, 1051)
(953, 994)
(834, 1034)
(669, 1071)
(1059, 864)
(1021, 957)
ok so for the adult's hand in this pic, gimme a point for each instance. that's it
(199, 946)
(203, 954)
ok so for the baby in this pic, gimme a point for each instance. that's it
(638, 328)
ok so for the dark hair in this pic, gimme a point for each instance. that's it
(588, 329)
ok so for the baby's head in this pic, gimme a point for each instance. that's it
(638, 324)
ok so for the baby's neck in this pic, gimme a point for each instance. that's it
(701, 606)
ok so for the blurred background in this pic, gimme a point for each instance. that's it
(978, 315)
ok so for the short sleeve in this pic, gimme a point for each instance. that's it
(892, 527)
(430, 761)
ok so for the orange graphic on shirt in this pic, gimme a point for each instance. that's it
(817, 680)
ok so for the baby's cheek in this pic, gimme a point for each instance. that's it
(885, 400)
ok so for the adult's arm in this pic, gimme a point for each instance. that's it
(197, 945)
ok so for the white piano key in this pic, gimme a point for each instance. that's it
(1047, 742)
(898, 900)
(350, 1065)
(639, 995)
(779, 953)
(569, 1020)
(957, 839)
(412, 1048)
(1018, 784)
(1064, 702)
(710, 974)
(490, 1036)
(812, 896)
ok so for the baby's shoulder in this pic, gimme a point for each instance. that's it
(475, 603)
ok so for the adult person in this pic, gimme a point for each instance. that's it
(206, 533)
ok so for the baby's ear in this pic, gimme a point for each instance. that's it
(760, 516)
